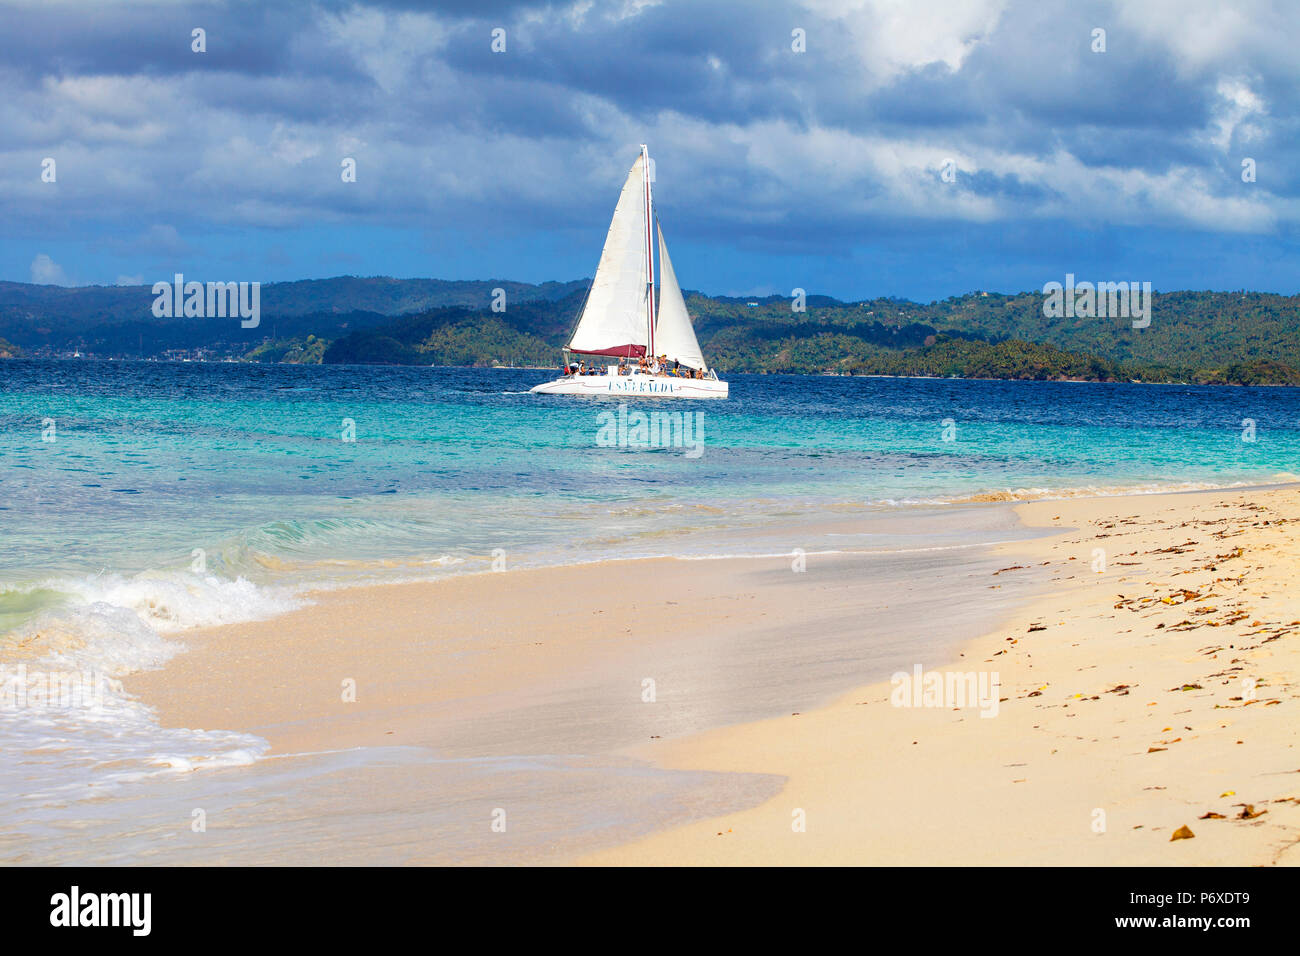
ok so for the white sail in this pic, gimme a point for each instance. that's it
(618, 317)
(615, 320)
(674, 335)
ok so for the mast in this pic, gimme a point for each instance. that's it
(649, 250)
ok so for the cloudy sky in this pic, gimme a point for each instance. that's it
(822, 169)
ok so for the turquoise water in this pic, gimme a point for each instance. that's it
(151, 461)
(138, 500)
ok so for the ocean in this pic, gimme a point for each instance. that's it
(139, 500)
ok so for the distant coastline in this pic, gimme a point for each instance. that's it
(1230, 338)
(243, 360)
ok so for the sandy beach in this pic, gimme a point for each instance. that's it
(739, 712)
(1146, 695)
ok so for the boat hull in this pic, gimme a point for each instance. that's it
(633, 386)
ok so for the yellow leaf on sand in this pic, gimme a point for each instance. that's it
(1182, 833)
(1228, 793)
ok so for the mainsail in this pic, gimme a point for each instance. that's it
(674, 335)
(616, 318)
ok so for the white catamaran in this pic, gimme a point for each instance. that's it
(657, 353)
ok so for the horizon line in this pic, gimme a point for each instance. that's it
(710, 295)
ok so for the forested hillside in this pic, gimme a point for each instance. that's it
(1219, 337)
(1193, 337)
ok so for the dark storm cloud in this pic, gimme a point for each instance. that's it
(717, 62)
(70, 39)
(800, 150)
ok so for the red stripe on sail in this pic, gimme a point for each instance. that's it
(626, 351)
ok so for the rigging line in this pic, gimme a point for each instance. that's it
(578, 321)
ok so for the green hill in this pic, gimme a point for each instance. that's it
(1216, 337)
(119, 320)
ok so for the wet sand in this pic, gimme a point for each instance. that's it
(524, 692)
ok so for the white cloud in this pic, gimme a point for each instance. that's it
(292, 148)
(1236, 105)
(1212, 34)
(893, 36)
(390, 47)
(45, 271)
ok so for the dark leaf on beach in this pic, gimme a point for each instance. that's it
(1153, 750)
(1182, 833)
(1249, 812)
(1212, 816)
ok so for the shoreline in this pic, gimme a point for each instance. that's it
(538, 697)
(523, 680)
(458, 601)
(553, 367)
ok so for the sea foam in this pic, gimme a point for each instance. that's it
(68, 728)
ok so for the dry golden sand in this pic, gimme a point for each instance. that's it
(1129, 713)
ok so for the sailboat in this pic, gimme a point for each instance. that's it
(625, 345)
